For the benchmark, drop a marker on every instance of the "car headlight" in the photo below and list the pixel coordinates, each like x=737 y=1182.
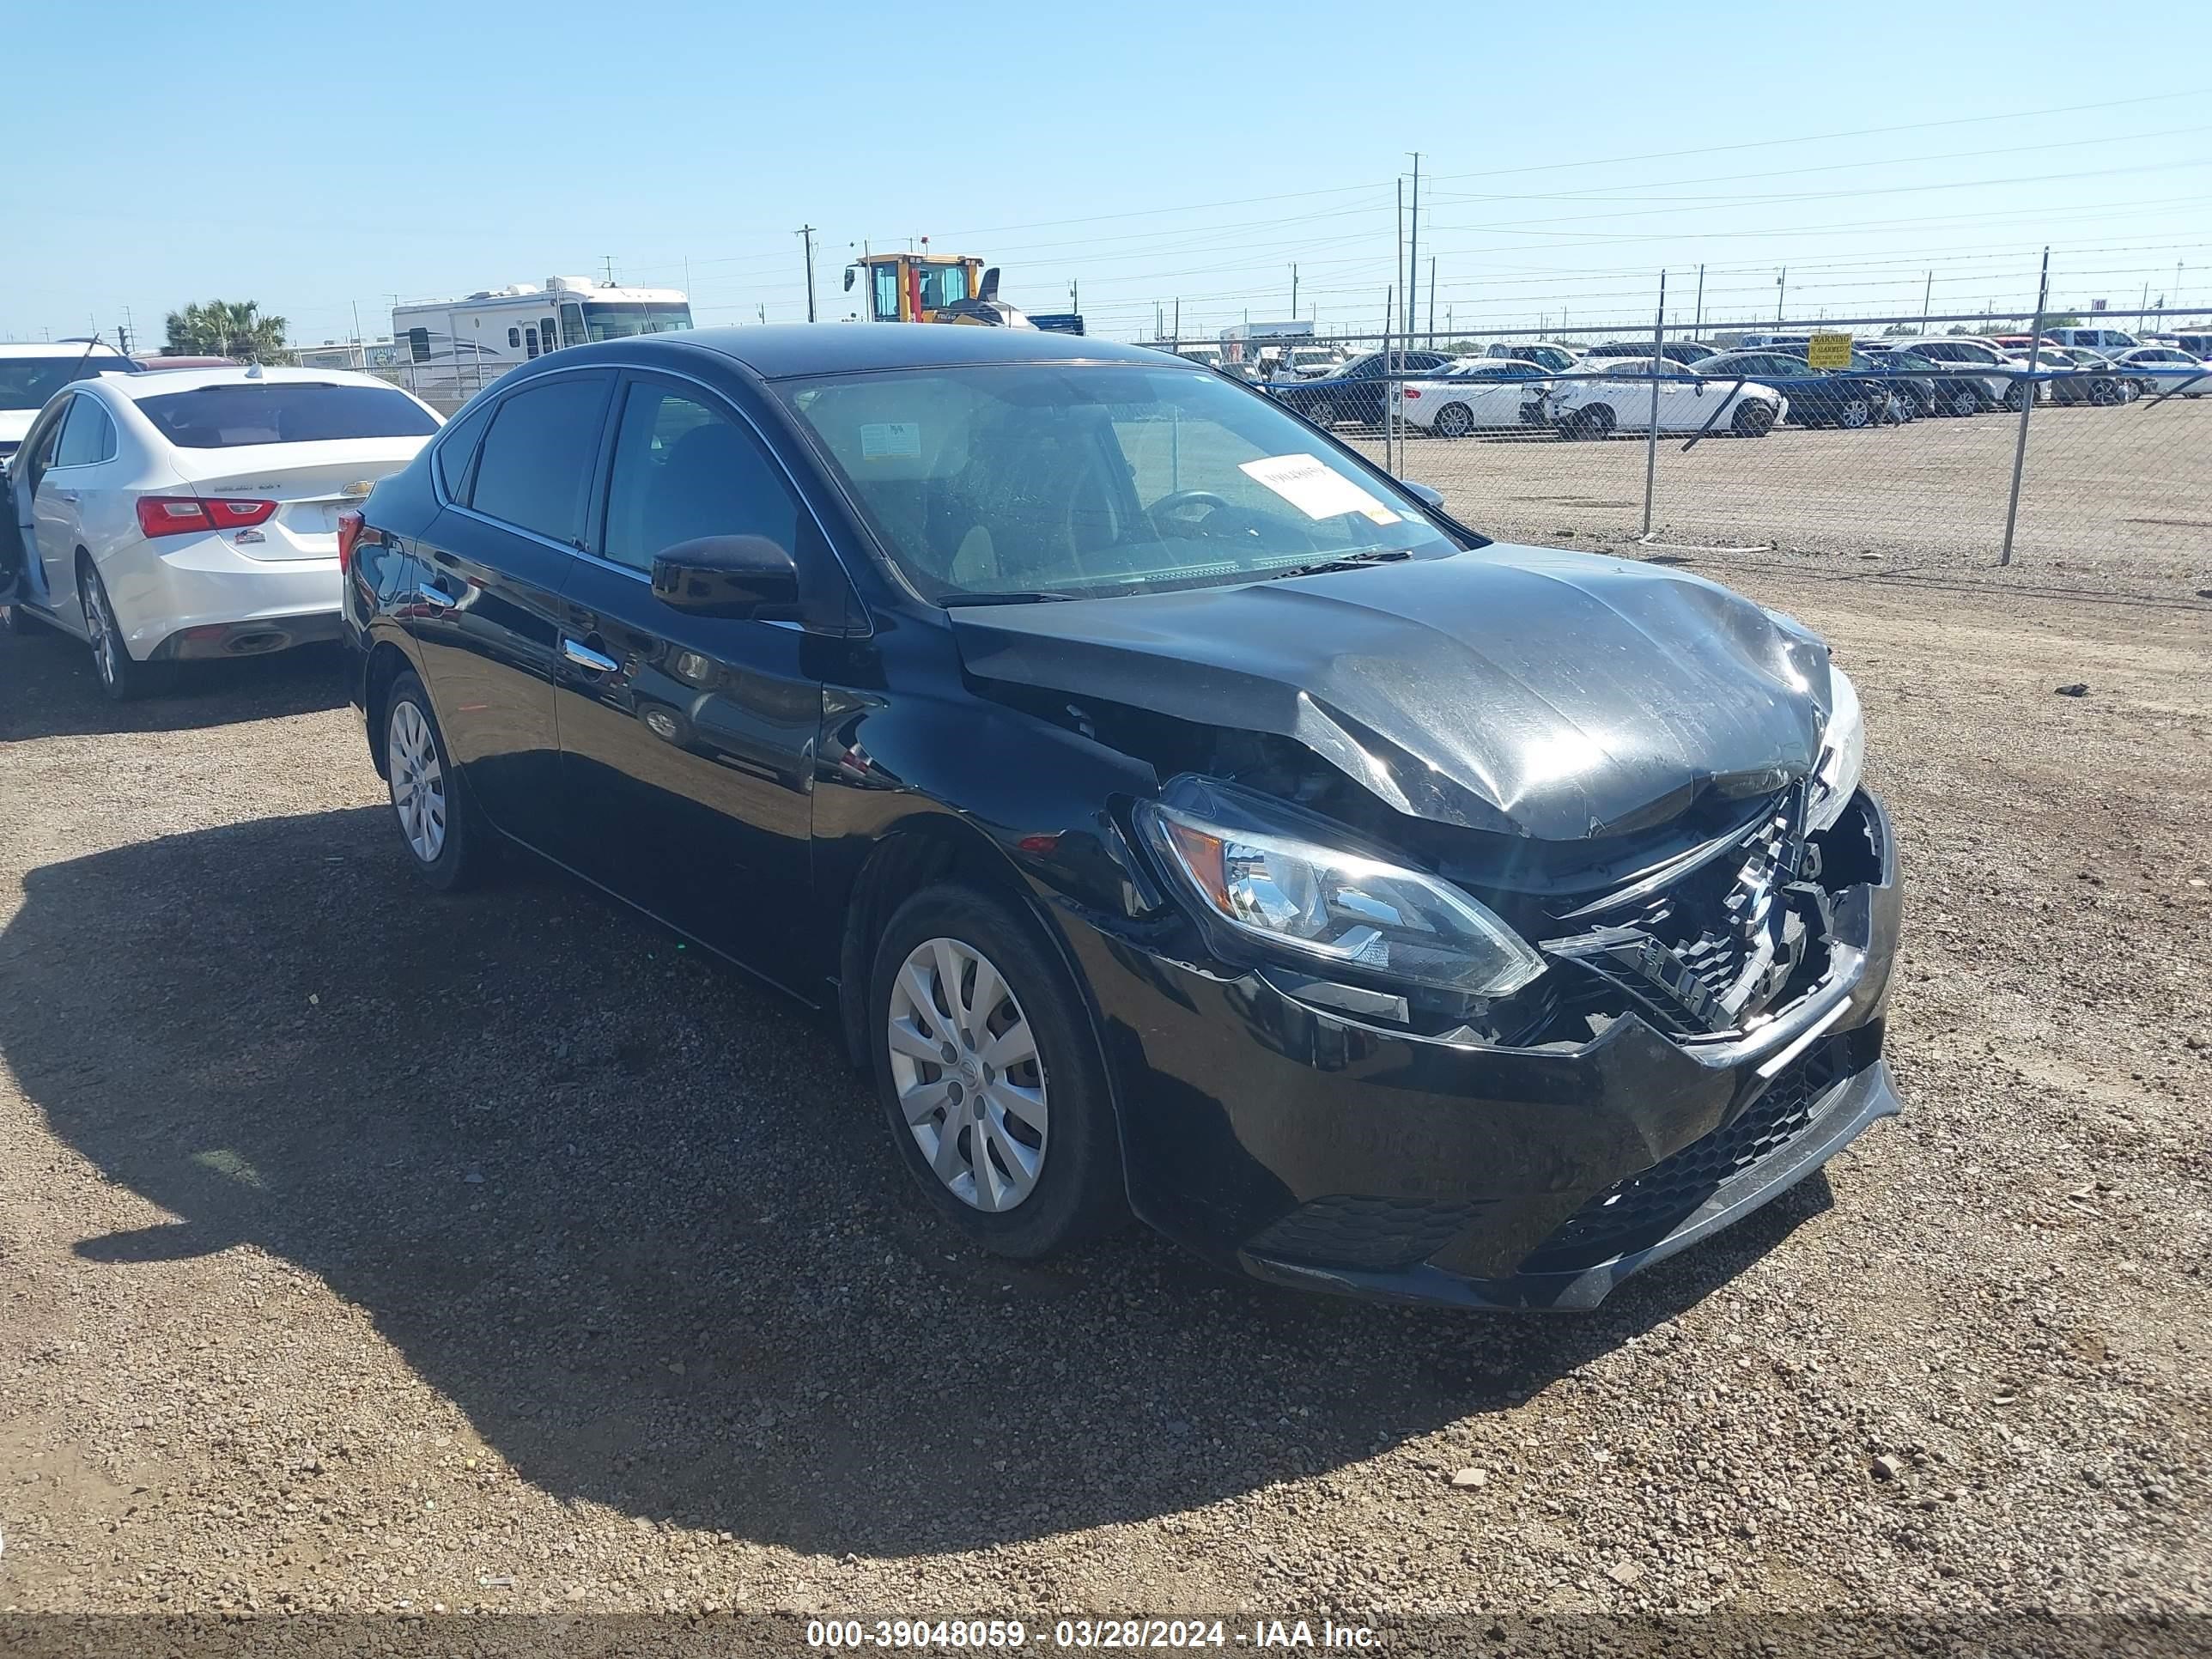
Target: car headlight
x=1842 y=753
x=1337 y=908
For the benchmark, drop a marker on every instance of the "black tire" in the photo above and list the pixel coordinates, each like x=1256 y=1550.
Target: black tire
x=2016 y=395
x=1855 y=413
x=2106 y=394
x=1455 y=421
x=122 y=677
x=1751 y=419
x=1965 y=400
x=1078 y=1189
x=1321 y=413
x=462 y=846
x=1592 y=424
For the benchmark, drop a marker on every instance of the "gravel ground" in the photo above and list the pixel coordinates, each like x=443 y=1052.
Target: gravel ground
x=363 y=1251
x=2112 y=500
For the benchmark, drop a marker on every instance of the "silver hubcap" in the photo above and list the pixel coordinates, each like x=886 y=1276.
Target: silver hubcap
x=104 y=642
x=964 y=1063
x=418 y=784
x=1855 y=414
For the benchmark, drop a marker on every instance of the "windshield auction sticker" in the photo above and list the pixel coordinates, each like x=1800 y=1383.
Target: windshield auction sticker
x=891 y=440
x=1313 y=489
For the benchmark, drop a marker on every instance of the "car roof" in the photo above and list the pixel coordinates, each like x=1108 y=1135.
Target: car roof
x=190 y=379
x=780 y=350
x=98 y=348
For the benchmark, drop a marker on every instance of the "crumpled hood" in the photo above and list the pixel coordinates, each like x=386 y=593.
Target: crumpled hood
x=1522 y=690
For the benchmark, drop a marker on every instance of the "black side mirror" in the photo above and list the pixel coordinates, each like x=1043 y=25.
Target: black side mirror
x=851 y=271
x=737 y=576
x=1432 y=499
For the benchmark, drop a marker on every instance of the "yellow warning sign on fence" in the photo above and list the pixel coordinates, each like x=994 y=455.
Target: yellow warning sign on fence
x=1829 y=351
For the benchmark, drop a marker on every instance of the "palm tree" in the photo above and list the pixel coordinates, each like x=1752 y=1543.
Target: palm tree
x=224 y=328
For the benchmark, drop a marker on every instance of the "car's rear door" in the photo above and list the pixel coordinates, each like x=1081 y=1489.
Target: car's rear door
x=687 y=742
x=485 y=613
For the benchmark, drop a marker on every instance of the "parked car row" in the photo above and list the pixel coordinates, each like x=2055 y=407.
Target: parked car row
x=1172 y=811
x=1745 y=392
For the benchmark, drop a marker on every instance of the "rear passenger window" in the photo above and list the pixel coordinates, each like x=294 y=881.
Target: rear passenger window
x=683 y=469
x=87 y=435
x=458 y=447
x=535 y=470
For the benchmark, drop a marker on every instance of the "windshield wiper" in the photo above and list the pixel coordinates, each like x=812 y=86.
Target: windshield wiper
x=953 y=601
x=1348 y=561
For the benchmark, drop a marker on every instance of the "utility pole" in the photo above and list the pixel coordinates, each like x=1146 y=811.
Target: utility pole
x=1432 y=299
x=1294 y=287
x=1178 y=319
x=1927 y=298
x=1781 y=288
x=1412 y=289
x=356 y=322
x=805 y=233
x=611 y=270
x=128 y=331
x=1075 y=295
x=1697 y=327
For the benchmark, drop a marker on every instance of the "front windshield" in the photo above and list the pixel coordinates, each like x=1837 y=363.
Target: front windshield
x=618 y=319
x=1084 y=481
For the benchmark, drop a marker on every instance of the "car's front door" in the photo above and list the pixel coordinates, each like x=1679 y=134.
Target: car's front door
x=687 y=742
x=486 y=612
x=85 y=438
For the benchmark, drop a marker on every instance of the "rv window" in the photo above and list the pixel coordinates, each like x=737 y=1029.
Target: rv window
x=548 y=338
x=514 y=336
x=418 y=345
x=529 y=340
x=572 y=324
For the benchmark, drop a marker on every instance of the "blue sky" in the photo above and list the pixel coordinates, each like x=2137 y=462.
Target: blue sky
x=317 y=159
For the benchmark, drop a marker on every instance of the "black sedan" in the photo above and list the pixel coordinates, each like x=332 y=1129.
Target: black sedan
x=1355 y=392
x=1853 y=397
x=1169 y=810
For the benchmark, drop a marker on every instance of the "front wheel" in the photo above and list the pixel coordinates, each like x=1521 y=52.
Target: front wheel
x=1966 y=401
x=989 y=1076
x=1752 y=419
x=1321 y=413
x=2016 y=395
x=1855 y=412
x=1592 y=422
x=436 y=824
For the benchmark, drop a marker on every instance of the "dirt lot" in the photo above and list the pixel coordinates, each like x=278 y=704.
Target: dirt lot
x=2112 y=500
x=365 y=1250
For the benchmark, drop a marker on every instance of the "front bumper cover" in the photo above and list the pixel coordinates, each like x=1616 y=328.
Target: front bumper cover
x=1309 y=1147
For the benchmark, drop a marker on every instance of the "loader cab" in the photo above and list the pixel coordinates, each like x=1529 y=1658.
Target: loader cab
x=913 y=288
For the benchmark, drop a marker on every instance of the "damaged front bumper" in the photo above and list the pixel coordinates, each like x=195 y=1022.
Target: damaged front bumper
x=1310 y=1147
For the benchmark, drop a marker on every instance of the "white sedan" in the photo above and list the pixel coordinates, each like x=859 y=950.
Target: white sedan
x=1475 y=395
x=2169 y=369
x=1595 y=403
x=194 y=514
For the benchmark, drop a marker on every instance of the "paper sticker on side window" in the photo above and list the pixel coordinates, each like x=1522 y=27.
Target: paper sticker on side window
x=1310 y=486
x=891 y=440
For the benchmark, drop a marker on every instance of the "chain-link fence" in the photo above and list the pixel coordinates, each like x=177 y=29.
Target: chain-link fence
x=1942 y=441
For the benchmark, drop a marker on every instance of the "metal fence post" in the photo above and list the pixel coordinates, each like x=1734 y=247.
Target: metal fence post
x=2027 y=408
x=1651 y=437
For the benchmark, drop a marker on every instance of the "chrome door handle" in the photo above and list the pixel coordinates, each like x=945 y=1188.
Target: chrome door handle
x=68 y=495
x=584 y=656
x=431 y=593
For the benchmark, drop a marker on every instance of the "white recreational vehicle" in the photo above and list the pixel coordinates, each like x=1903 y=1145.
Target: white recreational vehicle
x=449 y=347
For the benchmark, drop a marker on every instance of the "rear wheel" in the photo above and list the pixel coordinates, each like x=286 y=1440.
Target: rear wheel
x=2016 y=395
x=989 y=1078
x=1592 y=422
x=1455 y=421
x=1855 y=412
x=2106 y=393
x=122 y=677
x=1964 y=401
x=436 y=824
x=1321 y=413
x=1752 y=419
